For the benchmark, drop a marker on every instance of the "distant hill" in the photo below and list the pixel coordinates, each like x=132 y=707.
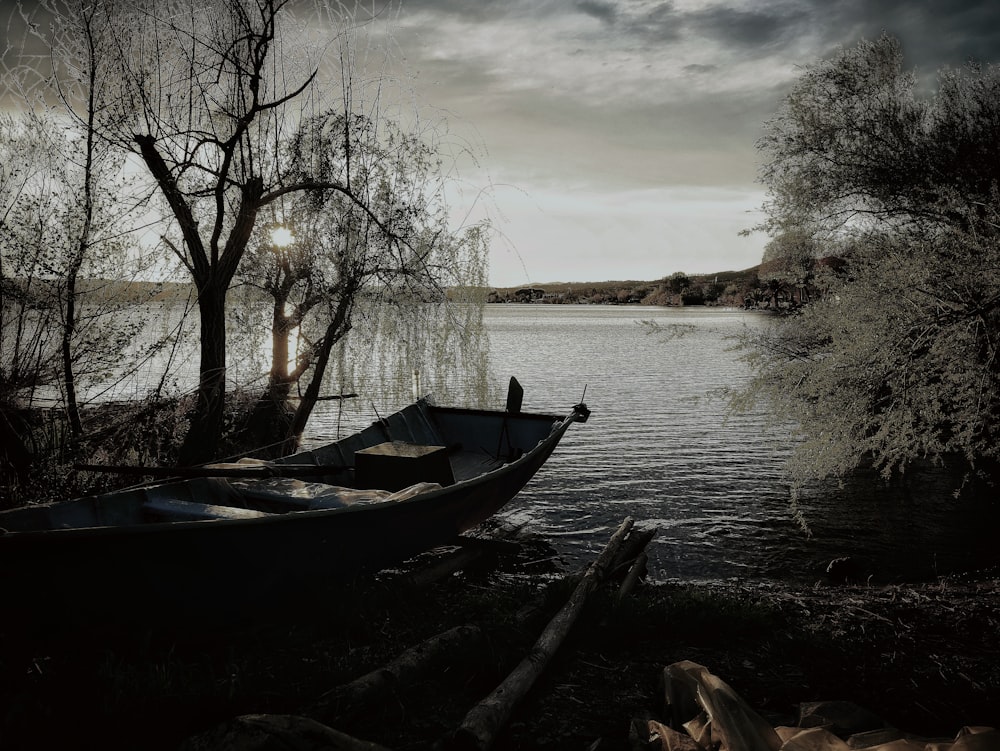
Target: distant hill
x=728 y=288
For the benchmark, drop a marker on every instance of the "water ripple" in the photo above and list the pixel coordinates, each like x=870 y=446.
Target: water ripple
x=661 y=447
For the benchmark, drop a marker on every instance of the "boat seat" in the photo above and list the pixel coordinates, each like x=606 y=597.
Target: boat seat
x=468 y=464
x=172 y=509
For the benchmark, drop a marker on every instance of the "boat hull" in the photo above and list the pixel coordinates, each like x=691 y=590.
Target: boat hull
x=193 y=574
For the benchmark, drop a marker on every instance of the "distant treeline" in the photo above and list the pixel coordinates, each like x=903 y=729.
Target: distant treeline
x=726 y=288
x=99 y=290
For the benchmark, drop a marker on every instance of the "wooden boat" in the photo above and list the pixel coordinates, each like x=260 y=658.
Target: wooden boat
x=183 y=551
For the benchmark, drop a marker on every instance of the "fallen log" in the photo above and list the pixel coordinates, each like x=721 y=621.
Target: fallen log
x=348 y=699
x=484 y=721
x=637 y=541
x=443 y=567
x=631 y=581
x=472 y=550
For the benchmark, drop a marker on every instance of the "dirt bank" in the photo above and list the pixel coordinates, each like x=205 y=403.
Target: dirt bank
x=924 y=657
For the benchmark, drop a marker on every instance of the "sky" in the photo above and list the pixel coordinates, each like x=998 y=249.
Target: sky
x=615 y=139
x=618 y=136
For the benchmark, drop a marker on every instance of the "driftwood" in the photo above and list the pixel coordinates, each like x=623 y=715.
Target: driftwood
x=472 y=550
x=635 y=573
x=346 y=700
x=638 y=540
x=481 y=725
x=443 y=567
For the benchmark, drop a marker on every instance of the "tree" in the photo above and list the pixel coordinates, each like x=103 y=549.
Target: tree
x=849 y=144
x=338 y=251
x=898 y=362
x=64 y=229
x=678 y=282
x=789 y=265
x=208 y=97
x=24 y=320
x=62 y=261
x=854 y=146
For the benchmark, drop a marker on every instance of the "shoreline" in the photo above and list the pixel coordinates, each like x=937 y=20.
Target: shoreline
x=923 y=657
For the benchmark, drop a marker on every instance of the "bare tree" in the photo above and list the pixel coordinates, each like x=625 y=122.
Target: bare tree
x=69 y=214
x=208 y=94
x=224 y=107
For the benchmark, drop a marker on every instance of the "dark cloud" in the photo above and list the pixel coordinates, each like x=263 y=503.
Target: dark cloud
x=756 y=31
x=698 y=69
x=602 y=11
x=486 y=10
x=934 y=33
x=658 y=22
x=661 y=23
x=608 y=96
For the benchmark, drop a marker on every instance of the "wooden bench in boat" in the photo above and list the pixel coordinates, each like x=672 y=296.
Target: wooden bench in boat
x=176 y=510
x=395 y=465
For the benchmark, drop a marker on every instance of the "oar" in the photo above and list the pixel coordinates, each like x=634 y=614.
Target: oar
x=249 y=470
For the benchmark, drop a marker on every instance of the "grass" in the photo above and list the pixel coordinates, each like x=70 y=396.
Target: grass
x=924 y=657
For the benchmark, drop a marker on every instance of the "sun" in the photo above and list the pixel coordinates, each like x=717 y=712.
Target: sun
x=282 y=237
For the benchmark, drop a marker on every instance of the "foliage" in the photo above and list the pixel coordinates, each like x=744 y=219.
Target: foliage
x=897 y=362
x=234 y=112
x=343 y=260
x=57 y=329
x=789 y=266
x=728 y=288
x=854 y=146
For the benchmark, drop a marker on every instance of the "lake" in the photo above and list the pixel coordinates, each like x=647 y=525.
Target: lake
x=662 y=447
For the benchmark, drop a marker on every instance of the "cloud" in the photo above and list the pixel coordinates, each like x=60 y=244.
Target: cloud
x=626 y=104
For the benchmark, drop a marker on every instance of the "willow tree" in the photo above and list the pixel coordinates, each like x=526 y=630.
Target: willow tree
x=900 y=360
x=207 y=96
x=336 y=254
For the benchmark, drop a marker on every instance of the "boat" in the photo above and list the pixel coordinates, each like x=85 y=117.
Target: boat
x=247 y=534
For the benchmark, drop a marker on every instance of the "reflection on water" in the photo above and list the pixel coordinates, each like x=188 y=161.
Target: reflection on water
x=661 y=447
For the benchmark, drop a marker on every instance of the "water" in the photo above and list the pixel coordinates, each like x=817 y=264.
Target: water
x=659 y=445
x=662 y=447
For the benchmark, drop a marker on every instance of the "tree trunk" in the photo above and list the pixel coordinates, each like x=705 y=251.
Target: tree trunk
x=337 y=328
x=269 y=425
x=281 y=330
x=309 y=398
x=205 y=432
x=460 y=646
x=69 y=378
x=14 y=454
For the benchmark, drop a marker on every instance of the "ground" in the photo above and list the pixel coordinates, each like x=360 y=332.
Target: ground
x=924 y=656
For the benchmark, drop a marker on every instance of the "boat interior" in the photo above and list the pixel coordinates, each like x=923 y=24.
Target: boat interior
x=417 y=450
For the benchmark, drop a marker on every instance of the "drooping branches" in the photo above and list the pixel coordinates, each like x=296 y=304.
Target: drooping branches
x=238 y=115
